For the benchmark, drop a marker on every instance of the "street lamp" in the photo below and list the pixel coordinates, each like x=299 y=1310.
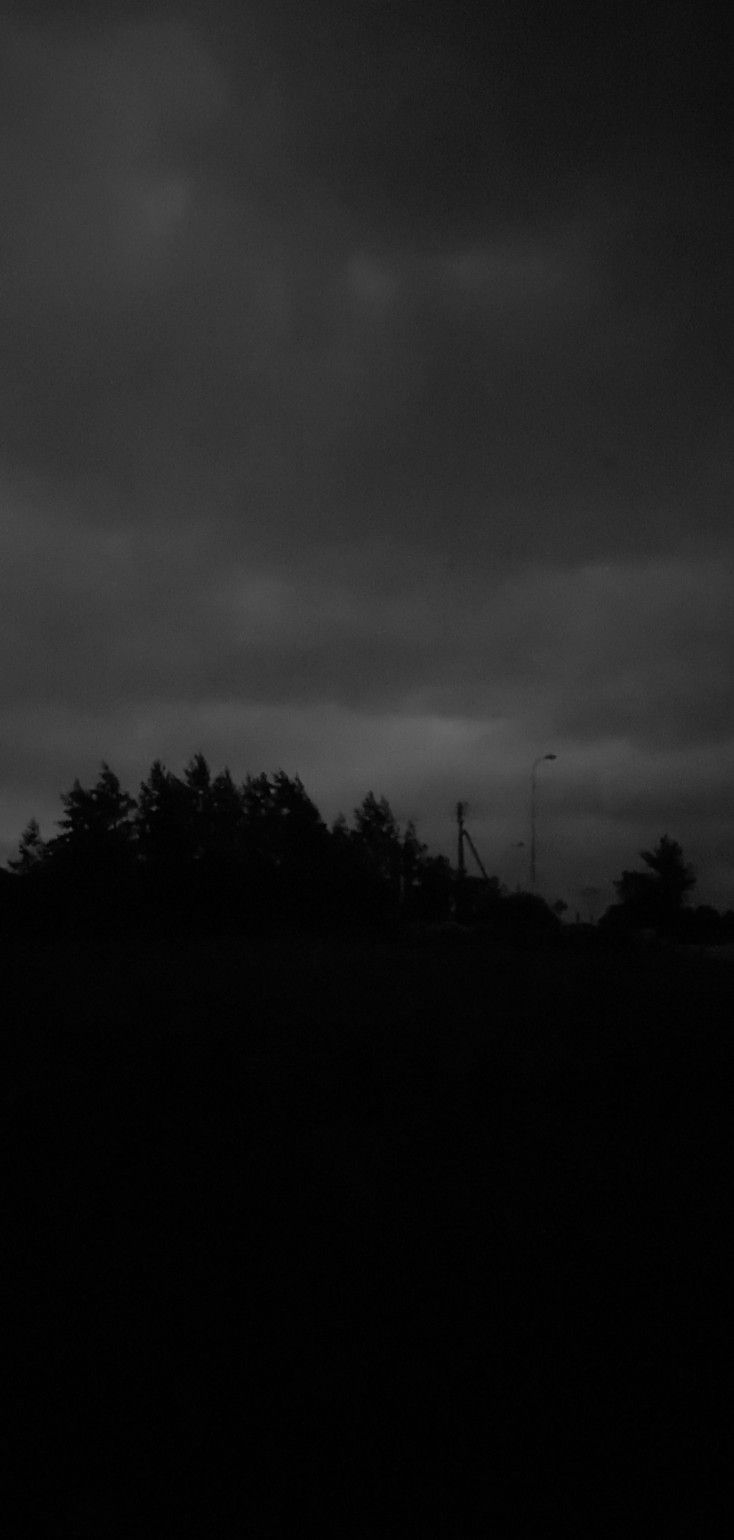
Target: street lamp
x=538 y=761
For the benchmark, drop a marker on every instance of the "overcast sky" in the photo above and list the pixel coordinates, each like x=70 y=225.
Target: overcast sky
x=366 y=382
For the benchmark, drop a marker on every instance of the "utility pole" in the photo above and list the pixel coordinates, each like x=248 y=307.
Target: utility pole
x=464 y=838
x=475 y=853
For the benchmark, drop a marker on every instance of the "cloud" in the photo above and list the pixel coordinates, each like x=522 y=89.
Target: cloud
x=366 y=398
x=644 y=648
x=126 y=608
x=189 y=301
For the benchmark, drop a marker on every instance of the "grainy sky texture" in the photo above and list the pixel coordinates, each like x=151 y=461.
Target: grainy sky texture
x=366 y=382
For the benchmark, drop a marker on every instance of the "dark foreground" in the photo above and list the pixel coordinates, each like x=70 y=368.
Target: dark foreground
x=370 y=1240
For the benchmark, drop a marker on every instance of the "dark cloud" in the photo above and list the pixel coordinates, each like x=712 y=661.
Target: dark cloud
x=366 y=389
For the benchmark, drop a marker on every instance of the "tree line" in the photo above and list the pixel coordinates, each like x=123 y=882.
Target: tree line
x=201 y=851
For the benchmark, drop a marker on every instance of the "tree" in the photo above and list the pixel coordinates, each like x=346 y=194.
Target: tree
x=656 y=897
x=673 y=878
x=291 y=802
x=163 y=821
x=227 y=823
x=31 y=850
x=97 y=827
x=432 y=898
x=199 y=850
x=198 y=783
x=89 y=866
x=413 y=857
x=393 y=863
x=284 y=826
x=377 y=837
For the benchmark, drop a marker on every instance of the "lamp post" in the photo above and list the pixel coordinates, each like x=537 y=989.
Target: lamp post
x=533 y=778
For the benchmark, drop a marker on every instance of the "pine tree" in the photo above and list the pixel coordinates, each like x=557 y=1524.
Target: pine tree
x=31 y=850
x=163 y=822
x=97 y=825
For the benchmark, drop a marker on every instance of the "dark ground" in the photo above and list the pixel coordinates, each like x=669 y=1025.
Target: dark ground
x=370 y=1239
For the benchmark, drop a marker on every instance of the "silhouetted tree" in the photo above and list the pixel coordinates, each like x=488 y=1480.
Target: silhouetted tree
x=299 y=817
x=283 y=823
x=164 y=831
x=89 y=867
x=656 y=897
x=96 y=829
x=227 y=822
x=377 y=838
x=198 y=782
x=348 y=896
x=31 y=850
x=200 y=850
x=413 y=854
x=287 y=847
x=434 y=892
x=392 y=867
x=673 y=878
x=340 y=830
x=25 y=902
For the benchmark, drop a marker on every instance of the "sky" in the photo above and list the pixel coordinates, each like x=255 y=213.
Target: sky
x=366 y=411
